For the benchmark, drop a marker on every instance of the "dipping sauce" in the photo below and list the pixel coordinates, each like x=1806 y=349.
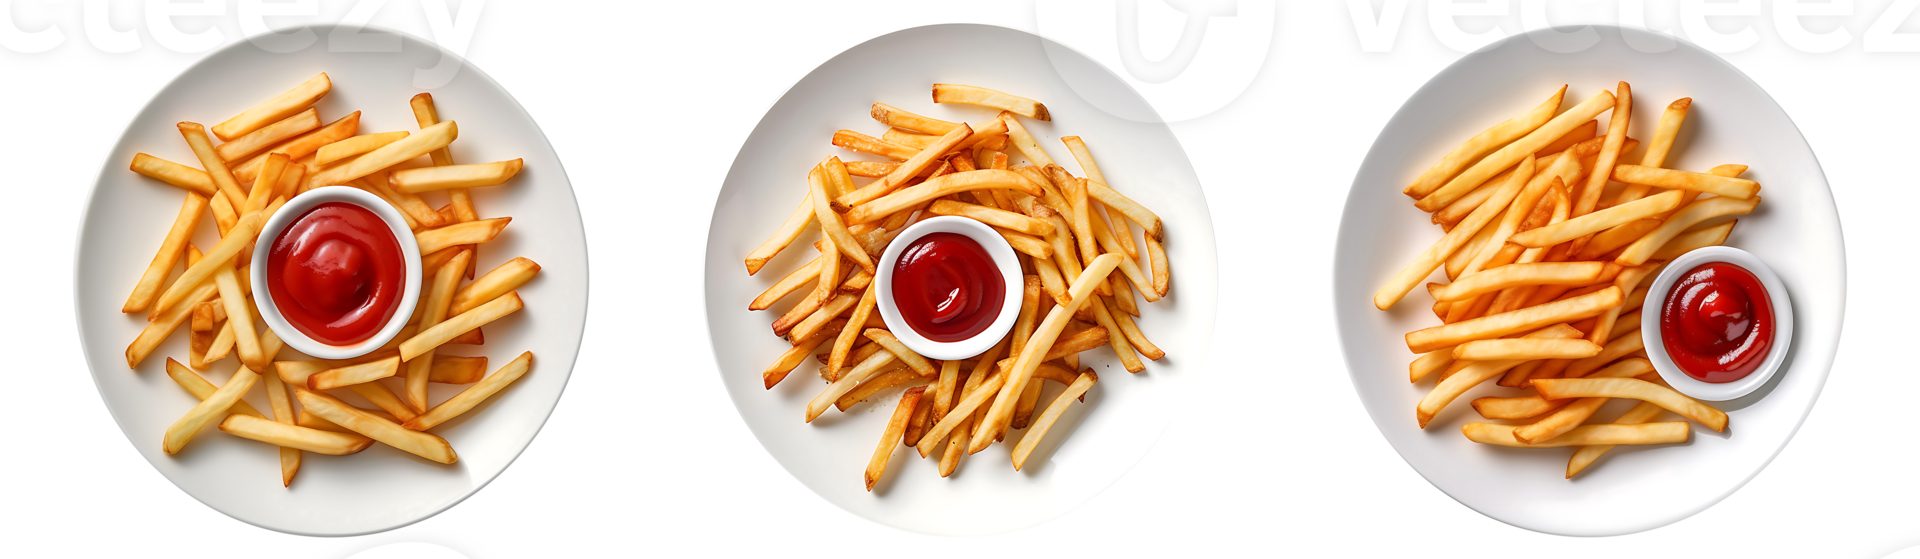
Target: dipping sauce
x=947 y=287
x=336 y=273
x=1717 y=322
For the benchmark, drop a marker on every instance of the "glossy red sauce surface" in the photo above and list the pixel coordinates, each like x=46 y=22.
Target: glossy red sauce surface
x=1717 y=322
x=947 y=287
x=337 y=273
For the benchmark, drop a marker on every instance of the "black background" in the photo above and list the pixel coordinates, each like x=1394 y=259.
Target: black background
x=613 y=475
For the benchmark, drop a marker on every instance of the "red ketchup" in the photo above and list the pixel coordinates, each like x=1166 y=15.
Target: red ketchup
x=947 y=287
x=336 y=273
x=1717 y=322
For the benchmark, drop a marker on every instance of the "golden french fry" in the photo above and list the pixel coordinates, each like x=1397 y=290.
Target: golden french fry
x=467 y=233
x=1512 y=153
x=1514 y=322
x=1698 y=182
x=831 y=223
x=186 y=178
x=914 y=166
x=415 y=145
x=1658 y=147
x=1642 y=250
x=299 y=123
x=868 y=144
x=940 y=186
x=972 y=95
x=454 y=369
x=893 y=116
x=896 y=428
x=302 y=146
x=1499 y=135
x=171 y=248
x=1039 y=429
x=200 y=388
x=215 y=405
x=500 y=281
x=1599 y=221
x=275 y=109
x=357 y=145
x=995 y=217
x=163 y=324
x=1525 y=349
x=430 y=338
x=1634 y=389
x=210 y=160
x=1687 y=242
x=424 y=179
x=240 y=319
x=1619 y=236
x=1622 y=346
x=1643 y=412
x=354 y=374
x=353 y=419
x=282 y=404
x=289 y=436
x=1512 y=275
x=439 y=293
x=873 y=365
x=962 y=411
x=1134 y=211
x=1589 y=195
x=1605 y=434
x=221 y=255
x=473 y=395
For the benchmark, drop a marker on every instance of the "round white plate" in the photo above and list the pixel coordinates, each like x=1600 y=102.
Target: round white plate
x=1796 y=230
x=1093 y=444
x=381 y=488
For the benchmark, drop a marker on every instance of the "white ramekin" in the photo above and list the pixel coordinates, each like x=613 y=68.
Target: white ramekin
x=1003 y=258
x=1657 y=348
x=299 y=205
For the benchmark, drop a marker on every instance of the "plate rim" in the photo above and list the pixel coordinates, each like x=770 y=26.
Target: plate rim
x=107 y=166
x=1212 y=285
x=1348 y=210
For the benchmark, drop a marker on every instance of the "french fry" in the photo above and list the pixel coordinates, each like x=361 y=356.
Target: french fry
x=186 y=178
x=1589 y=195
x=971 y=95
x=438 y=334
x=200 y=388
x=1606 y=434
x=1524 y=349
x=1472 y=374
x=1043 y=337
x=499 y=281
x=473 y=395
x=302 y=145
x=1730 y=187
x=467 y=233
x=439 y=294
x=964 y=410
x=293 y=438
x=899 y=375
x=895 y=117
x=253 y=142
x=240 y=319
x=356 y=145
x=1628 y=279
x=900 y=351
x=273 y=110
x=867 y=368
x=917 y=424
x=1133 y=334
x=1039 y=429
x=163 y=325
x=1480 y=144
x=1157 y=260
x=1622 y=346
x=1612 y=239
x=1599 y=221
x=476 y=175
x=868 y=144
x=936 y=187
x=354 y=374
x=1513 y=322
x=210 y=160
x=1658 y=146
x=870 y=169
x=454 y=369
x=415 y=145
x=1023 y=141
x=384 y=399
x=418 y=443
x=1448 y=245
x=1643 y=412
x=831 y=223
x=1691 y=240
x=1134 y=211
x=1539 y=273
x=995 y=217
x=221 y=255
x=171 y=248
x=843 y=343
x=1633 y=389
x=215 y=405
x=1512 y=153
x=896 y=428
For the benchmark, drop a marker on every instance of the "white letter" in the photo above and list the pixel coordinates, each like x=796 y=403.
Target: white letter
x=1533 y=22
x=1441 y=14
x=1693 y=19
x=18 y=40
x=1786 y=20
x=1377 y=33
x=1633 y=13
x=347 y=37
x=160 y=14
x=253 y=23
x=100 y=29
x=453 y=35
x=1883 y=35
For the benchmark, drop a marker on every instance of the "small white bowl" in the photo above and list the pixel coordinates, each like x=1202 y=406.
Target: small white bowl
x=1003 y=258
x=1657 y=348
x=298 y=206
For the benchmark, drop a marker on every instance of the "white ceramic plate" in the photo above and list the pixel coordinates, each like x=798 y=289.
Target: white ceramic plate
x=1092 y=445
x=1796 y=230
x=381 y=488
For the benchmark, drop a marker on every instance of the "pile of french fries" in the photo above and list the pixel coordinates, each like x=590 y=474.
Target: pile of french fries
x=1547 y=282
x=1071 y=233
x=269 y=154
